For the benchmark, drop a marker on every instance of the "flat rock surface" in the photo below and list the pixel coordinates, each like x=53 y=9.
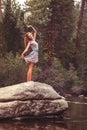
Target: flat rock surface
x=28 y=90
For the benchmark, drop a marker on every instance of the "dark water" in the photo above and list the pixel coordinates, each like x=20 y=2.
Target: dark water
x=75 y=119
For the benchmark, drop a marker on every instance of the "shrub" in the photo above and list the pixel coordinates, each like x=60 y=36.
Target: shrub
x=12 y=70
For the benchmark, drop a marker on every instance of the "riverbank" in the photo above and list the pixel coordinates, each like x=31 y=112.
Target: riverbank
x=71 y=92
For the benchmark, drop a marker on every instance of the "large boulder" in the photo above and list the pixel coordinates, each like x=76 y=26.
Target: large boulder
x=30 y=99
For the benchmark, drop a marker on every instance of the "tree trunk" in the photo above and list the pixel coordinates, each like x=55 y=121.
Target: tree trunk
x=80 y=23
x=0 y=12
x=51 y=34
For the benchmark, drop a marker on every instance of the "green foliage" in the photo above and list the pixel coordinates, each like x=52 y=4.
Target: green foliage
x=3 y=47
x=66 y=27
x=11 y=32
x=71 y=78
x=12 y=70
x=39 y=11
x=82 y=67
x=58 y=76
x=67 y=55
x=11 y=28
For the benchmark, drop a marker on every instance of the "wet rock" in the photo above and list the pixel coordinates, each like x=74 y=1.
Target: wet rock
x=81 y=96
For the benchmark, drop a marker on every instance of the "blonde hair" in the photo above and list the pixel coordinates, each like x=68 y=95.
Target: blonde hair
x=27 y=39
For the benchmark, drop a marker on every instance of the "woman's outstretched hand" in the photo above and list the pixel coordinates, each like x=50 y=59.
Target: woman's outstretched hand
x=22 y=56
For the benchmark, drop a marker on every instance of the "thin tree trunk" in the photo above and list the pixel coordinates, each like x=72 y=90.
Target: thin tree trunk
x=0 y=12
x=51 y=35
x=80 y=23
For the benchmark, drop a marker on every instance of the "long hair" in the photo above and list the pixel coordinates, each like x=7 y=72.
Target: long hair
x=26 y=39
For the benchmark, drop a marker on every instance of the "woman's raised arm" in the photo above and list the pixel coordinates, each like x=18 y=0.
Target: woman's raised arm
x=34 y=31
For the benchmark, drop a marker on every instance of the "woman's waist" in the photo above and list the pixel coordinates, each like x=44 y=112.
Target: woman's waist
x=36 y=50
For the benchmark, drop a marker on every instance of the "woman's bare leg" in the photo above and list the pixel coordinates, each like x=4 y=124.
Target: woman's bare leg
x=29 y=73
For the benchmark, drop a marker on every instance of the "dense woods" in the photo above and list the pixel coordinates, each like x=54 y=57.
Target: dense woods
x=61 y=63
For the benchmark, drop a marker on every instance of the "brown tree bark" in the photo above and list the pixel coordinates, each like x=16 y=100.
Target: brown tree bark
x=0 y=12
x=80 y=23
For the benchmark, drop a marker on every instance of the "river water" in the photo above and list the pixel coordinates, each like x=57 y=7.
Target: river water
x=75 y=118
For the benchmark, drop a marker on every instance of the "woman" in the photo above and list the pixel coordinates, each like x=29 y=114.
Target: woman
x=32 y=58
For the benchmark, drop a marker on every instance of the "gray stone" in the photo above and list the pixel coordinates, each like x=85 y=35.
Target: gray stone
x=30 y=99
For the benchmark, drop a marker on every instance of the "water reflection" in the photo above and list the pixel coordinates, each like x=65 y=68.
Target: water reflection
x=77 y=125
x=30 y=125
x=77 y=109
x=43 y=125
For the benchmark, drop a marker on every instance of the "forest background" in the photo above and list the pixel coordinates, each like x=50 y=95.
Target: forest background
x=62 y=62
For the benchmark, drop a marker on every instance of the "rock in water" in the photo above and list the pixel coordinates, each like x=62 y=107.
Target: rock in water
x=30 y=99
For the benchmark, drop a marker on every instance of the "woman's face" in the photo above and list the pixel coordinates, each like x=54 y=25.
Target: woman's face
x=30 y=36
